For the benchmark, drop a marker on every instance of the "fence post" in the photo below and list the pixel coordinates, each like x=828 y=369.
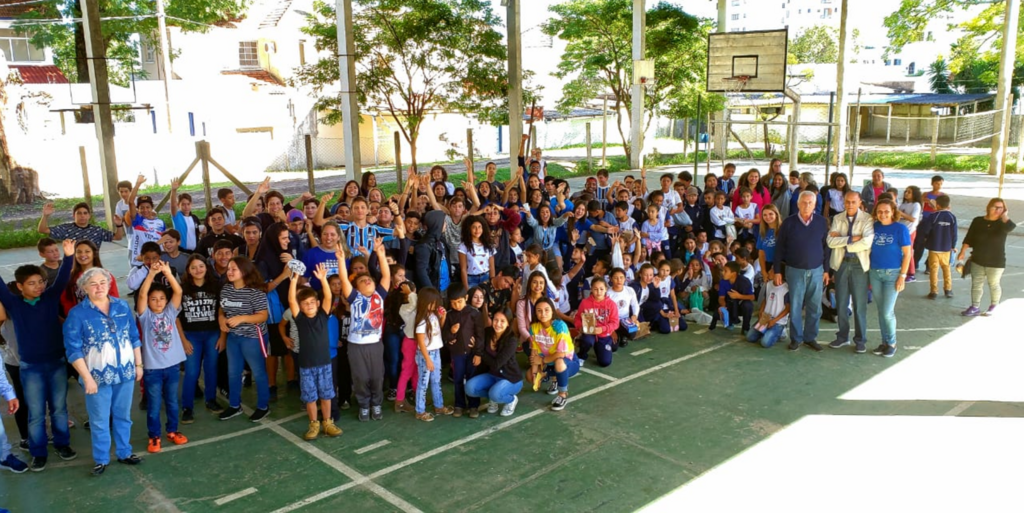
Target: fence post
x=935 y=137
x=590 y=161
x=203 y=150
x=309 y=163
x=398 y=162
x=85 y=178
x=469 y=152
x=1020 y=142
x=856 y=138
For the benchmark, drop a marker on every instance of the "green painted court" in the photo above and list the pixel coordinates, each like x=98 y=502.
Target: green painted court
x=699 y=420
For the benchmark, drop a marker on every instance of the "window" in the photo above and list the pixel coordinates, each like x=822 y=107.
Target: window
x=18 y=49
x=897 y=62
x=148 y=54
x=736 y=16
x=248 y=54
x=735 y=3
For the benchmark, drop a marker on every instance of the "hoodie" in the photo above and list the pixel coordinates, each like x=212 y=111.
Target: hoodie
x=430 y=250
x=606 y=313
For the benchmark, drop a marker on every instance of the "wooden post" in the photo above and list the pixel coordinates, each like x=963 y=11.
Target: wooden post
x=1020 y=143
x=590 y=161
x=182 y=178
x=85 y=177
x=203 y=149
x=63 y=127
x=469 y=151
x=604 y=131
x=888 y=125
x=309 y=163
x=856 y=138
x=935 y=137
x=398 y=162
x=686 y=135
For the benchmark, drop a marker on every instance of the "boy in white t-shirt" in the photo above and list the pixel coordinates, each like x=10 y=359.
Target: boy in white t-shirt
x=145 y=225
x=124 y=190
x=772 y=316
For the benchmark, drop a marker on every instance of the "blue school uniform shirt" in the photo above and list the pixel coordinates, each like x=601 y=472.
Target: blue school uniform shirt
x=317 y=256
x=887 y=248
x=357 y=237
x=766 y=244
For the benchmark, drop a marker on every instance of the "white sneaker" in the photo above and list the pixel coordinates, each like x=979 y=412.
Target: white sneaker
x=493 y=407
x=510 y=408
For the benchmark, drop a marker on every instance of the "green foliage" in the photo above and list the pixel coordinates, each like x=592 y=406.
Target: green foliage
x=938 y=76
x=598 y=58
x=816 y=45
x=129 y=17
x=414 y=57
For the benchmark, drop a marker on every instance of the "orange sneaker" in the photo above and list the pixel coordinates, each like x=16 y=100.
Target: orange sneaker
x=154 y=444
x=177 y=438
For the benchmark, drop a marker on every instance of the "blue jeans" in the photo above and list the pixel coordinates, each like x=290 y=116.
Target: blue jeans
x=242 y=350
x=883 y=283
x=393 y=356
x=497 y=390
x=572 y=367
x=477 y=280
x=431 y=379
x=462 y=370
x=46 y=383
x=768 y=338
x=602 y=346
x=203 y=357
x=5 y=446
x=805 y=288
x=161 y=390
x=116 y=401
x=852 y=281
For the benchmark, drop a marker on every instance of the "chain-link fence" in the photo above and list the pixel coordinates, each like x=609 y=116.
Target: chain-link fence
x=329 y=152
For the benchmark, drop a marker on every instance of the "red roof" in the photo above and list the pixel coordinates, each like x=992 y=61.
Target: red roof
x=257 y=74
x=16 y=10
x=40 y=74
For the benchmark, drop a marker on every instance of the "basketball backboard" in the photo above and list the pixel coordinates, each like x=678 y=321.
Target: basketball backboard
x=758 y=55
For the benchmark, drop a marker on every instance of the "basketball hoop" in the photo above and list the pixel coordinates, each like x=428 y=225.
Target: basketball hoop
x=735 y=84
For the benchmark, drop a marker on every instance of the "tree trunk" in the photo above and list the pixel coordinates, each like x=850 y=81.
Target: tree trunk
x=81 y=61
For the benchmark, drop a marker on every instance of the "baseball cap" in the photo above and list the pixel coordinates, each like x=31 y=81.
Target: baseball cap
x=295 y=215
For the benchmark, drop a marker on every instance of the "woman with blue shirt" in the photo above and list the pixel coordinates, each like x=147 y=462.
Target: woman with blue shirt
x=102 y=343
x=891 y=253
x=771 y=220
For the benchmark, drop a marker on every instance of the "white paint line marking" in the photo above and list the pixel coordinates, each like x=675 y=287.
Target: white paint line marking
x=371 y=447
x=598 y=374
x=236 y=434
x=316 y=498
x=958 y=409
x=701 y=332
x=235 y=496
x=640 y=352
x=919 y=329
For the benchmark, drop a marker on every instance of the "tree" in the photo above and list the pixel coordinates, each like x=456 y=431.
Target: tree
x=598 y=58
x=816 y=45
x=938 y=76
x=122 y=20
x=414 y=57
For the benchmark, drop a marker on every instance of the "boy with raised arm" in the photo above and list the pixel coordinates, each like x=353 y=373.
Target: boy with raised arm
x=310 y=314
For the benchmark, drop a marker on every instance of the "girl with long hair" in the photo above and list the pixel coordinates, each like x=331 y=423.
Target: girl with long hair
x=243 y=316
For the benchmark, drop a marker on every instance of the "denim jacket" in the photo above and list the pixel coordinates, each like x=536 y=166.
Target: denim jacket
x=105 y=342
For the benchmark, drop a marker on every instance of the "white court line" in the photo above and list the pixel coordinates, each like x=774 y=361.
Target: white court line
x=701 y=332
x=640 y=352
x=958 y=409
x=598 y=374
x=371 y=447
x=229 y=436
x=904 y=330
x=235 y=496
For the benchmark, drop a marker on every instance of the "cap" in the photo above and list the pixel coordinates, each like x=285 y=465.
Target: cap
x=692 y=190
x=295 y=215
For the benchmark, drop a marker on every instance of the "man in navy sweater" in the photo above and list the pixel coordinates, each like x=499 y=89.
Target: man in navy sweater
x=801 y=250
x=41 y=349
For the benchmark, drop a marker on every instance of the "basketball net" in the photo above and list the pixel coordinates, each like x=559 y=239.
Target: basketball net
x=735 y=84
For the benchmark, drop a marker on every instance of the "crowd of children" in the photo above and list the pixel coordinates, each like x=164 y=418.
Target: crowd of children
x=362 y=299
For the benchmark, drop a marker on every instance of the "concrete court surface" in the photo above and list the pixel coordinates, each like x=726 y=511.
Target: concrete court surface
x=698 y=421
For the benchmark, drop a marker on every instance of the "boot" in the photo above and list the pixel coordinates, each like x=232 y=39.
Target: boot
x=314 y=430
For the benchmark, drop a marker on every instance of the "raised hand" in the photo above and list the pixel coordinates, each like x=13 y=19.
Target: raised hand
x=69 y=247
x=326 y=198
x=175 y=184
x=48 y=209
x=320 y=272
x=141 y=179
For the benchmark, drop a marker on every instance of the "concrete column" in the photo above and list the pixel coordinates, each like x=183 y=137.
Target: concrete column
x=1006 y=61
x=515 y=82
x=347 y=95
x=639 y=52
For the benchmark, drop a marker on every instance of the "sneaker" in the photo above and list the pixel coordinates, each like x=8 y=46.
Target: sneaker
x=37 y=464
x=836 y=344
x=510 y=408
x=890 y=351
x=582 y=362
x=143 y=403
x=23 y=445
x=813 y=344
x=99 y=469
x=880 y=350
x=949 y=294
x=444 y=410
x=559 y=403
x=273 y=394
x=991 y=308
x=425 y=417
x=364 y=414
x=971 y=312
x=259 y=414
x=493 y=407
x=187 y=417
x=177 y=438
x=377 y=413
x=154 y=444
x=861 y=348
x=13 y=464
x=130 y=460
x=313 y=432
x=793 y=346
x=230 y=412
x=932 y=295
x=910 y=279
x=402 y=407
x=474 y=413
x=330 y=429
x=553 y=387
x=457 y=412
x=345 y=405
x=214 y=406
x=392 y=395
x=66 y=453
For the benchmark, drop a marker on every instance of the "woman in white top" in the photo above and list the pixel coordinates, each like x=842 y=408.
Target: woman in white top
x=476 y=256
x=910 y=215
x=625 y=301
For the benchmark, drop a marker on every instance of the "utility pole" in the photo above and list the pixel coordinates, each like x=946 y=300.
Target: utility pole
x=96 y=54
x=1006 y=61
x=515 y=83
x=165 y=58
x=639 y=51
x=349 y=101
x=842 y=105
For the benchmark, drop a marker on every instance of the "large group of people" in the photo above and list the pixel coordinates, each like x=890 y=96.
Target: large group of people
x=357 y=299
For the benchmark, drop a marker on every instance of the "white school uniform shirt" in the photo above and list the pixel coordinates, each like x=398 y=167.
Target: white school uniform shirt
x=775 y=301
x=434 y=341
x=721 y=217
x=527 y=271
x=562 y=301
x=665 y=287
x=749 y=272
x=478 y=259
x=625 y=301
x=747 y=213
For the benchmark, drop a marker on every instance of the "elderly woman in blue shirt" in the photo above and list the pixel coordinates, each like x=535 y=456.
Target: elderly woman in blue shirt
x=102 y=343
